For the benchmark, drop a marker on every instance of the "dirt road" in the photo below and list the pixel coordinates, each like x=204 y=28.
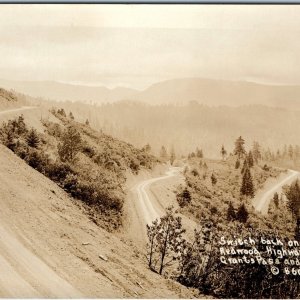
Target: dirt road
x=25 y=275
x=50 y=248
x=23 y=108
x=262 y=199
x=149 y=209
x=18 y=263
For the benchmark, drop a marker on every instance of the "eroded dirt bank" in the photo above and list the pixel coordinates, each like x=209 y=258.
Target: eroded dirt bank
x=46 y=237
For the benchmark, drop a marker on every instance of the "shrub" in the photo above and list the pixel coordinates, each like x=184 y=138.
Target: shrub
x=70 y=145
x=184 y=198
x=37 y=160
x=59 y=171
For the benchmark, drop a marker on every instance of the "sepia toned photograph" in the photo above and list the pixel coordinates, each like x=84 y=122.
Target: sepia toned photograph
x=149 y=151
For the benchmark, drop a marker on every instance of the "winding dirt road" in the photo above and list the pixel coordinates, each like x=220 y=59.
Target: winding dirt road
x=149 y=209
x=262 y=200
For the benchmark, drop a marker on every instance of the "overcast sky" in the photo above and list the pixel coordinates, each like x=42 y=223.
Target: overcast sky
x=137 y=45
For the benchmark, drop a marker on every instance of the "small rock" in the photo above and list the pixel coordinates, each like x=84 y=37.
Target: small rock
x=86 y=243
x=103 y=257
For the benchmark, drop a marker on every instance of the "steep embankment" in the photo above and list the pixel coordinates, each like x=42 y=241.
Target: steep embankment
x=55 y=239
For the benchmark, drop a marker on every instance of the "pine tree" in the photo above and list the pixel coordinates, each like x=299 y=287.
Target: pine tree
x=291 y=151
x=223 y=152
x=250 y=159
x=237 y=164
x=172 y=156
x=231 y=214
x=199 y=153
x=87 y=123
x=276 y=199
x=21 y=126
x=32 y=139
x=245 y=165
x=247 y=187
x=256 y=152
x=213 y=179
x=165 y=240
x=239 y=149
x=163 y=152
x=71 y=116
x=293 y=196
x=242 y=214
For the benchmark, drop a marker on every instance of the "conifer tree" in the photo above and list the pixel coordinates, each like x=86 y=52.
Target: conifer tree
x=172 y=156
x=242 y=214
x=276 y=199
x=87 y=122
x=256 y=152
x=213 y=179
x=21 y=126
x=223 y=152
x=163 y=152
x=71 y=116
x=245 y=165
x=250 y=159
x=199 y=153
x=239 y=149
x=231 y=214
x=32 y=139
x=293 y=196
x=165 y=240
x=237 y=164
x=247 y=187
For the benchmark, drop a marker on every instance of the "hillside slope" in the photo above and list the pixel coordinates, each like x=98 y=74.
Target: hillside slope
x=49 y=224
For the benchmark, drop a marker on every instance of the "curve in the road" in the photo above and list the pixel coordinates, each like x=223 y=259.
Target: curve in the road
x=263 y=203
x=148 y=210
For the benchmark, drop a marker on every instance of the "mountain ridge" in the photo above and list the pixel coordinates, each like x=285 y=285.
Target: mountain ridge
x=212 y=92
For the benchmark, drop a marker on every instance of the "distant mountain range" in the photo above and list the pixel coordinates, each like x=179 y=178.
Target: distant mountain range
x=63 y=91
x=180 y=91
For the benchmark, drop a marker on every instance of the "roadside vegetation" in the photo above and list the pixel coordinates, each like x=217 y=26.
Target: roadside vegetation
x=87 y=164
x=217 y=196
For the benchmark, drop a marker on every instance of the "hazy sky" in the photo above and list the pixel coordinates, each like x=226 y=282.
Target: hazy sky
x=137 y=45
